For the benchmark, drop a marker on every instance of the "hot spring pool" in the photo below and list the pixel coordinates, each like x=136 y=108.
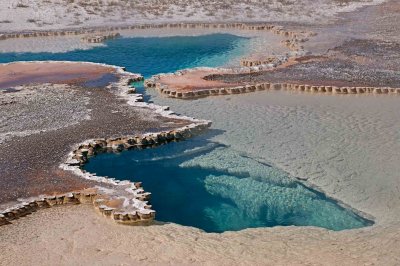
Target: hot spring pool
x=152 y=55
x=207 y=185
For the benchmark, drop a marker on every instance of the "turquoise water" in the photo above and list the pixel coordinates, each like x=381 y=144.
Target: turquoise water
x=152 y=55
x=206 y=185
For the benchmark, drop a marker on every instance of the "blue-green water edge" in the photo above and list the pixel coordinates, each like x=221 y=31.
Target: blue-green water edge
x=215 y=198
x=152 y=55
x=198 y=182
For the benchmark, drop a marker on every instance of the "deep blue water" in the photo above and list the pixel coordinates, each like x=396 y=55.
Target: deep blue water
x=151 y=55
x=215 y=199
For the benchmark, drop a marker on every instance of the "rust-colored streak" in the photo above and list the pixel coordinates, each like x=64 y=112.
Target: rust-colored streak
x=55 y=72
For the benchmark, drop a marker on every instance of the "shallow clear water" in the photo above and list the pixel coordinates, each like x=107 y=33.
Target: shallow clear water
x=207 y=185
x=152 y=55
x=201 y=182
